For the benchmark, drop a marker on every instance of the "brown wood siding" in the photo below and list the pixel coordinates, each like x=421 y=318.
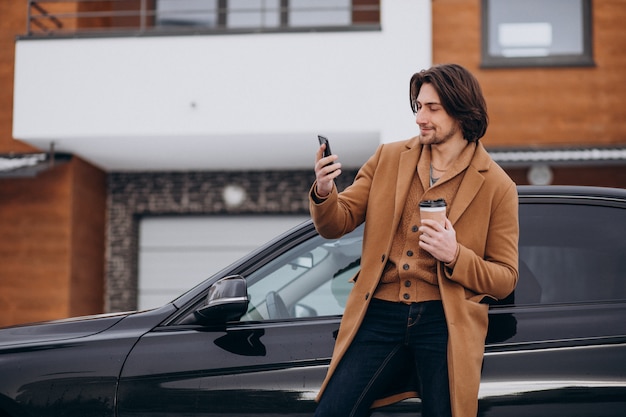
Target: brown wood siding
x=543 y=106
x=52 y=246
x=88 y=207
x=130 y=22
x=13 y=15
x=364 y=15
x=35 y=246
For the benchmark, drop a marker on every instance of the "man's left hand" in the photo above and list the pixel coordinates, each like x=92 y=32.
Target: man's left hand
x=438 y=240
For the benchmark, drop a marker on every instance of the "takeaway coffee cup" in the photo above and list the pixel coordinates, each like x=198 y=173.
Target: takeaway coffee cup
x=434 y=209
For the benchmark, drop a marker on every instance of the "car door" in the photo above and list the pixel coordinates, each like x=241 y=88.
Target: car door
x=558 y=346
x=270 y=362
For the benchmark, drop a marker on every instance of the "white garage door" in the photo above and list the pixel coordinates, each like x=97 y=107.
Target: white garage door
x=176 y=253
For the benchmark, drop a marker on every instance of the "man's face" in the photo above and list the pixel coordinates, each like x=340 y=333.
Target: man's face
x=436 y=125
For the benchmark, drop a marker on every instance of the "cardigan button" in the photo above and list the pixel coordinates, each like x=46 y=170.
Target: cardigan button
x=405 y=267
x=367 y=296
x=382 y=258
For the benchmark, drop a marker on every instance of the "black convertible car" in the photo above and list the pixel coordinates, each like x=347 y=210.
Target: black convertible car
x=256 y=338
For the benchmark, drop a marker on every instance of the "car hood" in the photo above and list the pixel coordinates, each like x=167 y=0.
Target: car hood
x=59 y=329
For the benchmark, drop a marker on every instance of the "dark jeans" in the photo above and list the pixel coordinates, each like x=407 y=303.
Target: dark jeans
x=392 y=338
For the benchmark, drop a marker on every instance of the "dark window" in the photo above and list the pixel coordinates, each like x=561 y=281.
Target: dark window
x=536 y=33
x=571 y=253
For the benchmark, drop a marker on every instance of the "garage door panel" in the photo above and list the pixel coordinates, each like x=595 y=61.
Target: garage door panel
x=178 y=252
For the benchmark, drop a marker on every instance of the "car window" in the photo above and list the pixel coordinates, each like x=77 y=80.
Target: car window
x=568 y=253
x=311 y=280
x=571 y=253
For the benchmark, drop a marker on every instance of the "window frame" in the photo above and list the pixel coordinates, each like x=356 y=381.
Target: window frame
x=584 y=59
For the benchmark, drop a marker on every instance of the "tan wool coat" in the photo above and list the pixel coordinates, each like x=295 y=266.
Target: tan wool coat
x=484 y=214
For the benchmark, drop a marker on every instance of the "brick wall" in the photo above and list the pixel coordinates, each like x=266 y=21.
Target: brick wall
x=133 y=195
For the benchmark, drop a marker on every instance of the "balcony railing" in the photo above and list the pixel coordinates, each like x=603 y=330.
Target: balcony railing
x=139 y=17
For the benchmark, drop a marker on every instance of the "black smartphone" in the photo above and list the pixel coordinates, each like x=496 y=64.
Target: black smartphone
x=324 y=141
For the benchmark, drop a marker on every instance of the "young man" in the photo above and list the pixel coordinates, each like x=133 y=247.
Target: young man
x=415 y=321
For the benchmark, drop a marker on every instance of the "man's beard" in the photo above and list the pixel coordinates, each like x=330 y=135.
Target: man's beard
x=436 y=139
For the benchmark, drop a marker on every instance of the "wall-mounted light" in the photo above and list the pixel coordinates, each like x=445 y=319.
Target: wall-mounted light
x=540 y=174
x=234 y=195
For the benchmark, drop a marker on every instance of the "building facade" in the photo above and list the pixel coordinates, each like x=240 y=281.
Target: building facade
x=115 y=115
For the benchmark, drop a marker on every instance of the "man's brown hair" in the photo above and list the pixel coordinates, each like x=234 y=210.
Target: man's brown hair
x=460 y=95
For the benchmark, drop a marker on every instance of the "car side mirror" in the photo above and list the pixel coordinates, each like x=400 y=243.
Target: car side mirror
x=227 y=300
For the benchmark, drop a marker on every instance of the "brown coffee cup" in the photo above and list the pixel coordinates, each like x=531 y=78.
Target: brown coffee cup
x=434 y=209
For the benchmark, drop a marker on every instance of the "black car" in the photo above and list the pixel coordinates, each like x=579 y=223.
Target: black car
x=256 y=338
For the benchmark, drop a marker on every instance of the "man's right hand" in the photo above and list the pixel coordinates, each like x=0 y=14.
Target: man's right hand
x=326 y=170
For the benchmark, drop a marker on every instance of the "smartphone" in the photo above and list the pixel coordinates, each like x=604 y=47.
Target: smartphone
x=324 y=141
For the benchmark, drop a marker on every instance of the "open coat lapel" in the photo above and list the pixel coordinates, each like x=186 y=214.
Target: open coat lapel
x=406 y=171
x=472 y=181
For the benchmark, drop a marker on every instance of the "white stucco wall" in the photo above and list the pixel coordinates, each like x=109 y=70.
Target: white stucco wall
x=192 y=102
